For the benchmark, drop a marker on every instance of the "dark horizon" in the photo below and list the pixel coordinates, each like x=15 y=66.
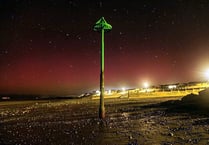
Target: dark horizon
x=50 y=47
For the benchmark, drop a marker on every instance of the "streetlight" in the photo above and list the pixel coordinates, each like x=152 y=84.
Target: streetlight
x=123 y=89
x=146 y=85
x=102 y=26
x=207 y=74
x=172 y=87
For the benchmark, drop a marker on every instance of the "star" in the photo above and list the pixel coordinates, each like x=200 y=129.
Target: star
x=6 y=51
x=67 y=34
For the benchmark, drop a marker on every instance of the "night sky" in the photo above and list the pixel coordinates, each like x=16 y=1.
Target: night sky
x=49 y=46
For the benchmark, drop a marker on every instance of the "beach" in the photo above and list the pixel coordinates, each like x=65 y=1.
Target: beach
x=75 y=122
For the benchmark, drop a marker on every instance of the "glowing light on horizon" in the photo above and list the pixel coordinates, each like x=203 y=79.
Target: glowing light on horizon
x=172 y=86
x=109 y=92
x=206 y=74
x=123 y=89
x=146 y=85
x=97 y=92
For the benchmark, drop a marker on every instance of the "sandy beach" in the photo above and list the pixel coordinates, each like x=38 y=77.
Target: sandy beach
x=75 y=122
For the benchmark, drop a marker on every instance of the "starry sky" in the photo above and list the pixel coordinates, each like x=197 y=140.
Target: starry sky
x=49 y=46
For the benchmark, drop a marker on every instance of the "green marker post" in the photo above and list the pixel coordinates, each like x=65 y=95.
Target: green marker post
x=102 y=26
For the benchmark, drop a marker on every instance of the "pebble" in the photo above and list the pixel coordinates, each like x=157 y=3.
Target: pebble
x=130 y=137
x=171 y=134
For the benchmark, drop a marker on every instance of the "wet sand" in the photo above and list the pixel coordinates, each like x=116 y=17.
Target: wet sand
x=75 y=122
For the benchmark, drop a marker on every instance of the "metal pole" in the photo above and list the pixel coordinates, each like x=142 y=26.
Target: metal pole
x=102 y=26
x=102 y=108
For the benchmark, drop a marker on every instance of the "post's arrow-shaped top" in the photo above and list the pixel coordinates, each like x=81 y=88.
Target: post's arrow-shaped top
x=102 y=24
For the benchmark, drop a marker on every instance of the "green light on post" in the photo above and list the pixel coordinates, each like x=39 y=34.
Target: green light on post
x=102 y=26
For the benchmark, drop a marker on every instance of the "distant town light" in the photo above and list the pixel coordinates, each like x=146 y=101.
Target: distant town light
x=207 y=74
x=97 y=92
x=172 y=86
x=109 y=92
x=146 y=85
x=123 y=89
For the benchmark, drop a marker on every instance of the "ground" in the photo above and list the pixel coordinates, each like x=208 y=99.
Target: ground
x=145 y=121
